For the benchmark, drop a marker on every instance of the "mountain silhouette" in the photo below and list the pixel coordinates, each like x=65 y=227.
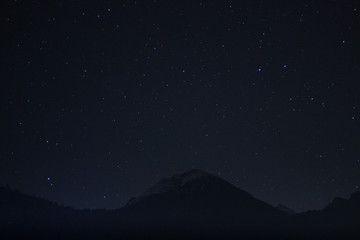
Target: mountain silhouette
x=197 y=197
x=194 y=204
x=340 y=217
x=24 y=217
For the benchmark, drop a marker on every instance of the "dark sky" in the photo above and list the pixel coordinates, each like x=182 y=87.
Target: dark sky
x=101 y=99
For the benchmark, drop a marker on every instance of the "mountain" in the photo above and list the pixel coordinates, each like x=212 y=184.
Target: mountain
x=197 y=200
x=27 y=217
x=194 y=204
x=200 y=196
x=339 y=217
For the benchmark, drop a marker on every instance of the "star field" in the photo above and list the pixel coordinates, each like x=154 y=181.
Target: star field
x=101 y=100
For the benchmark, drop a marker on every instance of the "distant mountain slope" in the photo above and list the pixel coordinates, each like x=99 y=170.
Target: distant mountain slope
x=18 y=208
x=28 y=217
x=341 y=215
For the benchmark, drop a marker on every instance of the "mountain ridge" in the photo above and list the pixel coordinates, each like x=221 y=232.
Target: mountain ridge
x=193 y=202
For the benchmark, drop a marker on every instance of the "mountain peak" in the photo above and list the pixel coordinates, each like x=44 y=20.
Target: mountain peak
x=173 y=183
x=194 y=171
x=190 y=175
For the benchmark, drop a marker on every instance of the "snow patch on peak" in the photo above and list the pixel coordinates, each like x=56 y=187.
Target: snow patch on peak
x=191 y=175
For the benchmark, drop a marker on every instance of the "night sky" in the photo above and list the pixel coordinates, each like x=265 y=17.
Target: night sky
x=101 y=99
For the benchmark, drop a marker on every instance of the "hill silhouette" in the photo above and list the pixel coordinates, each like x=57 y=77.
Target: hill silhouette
x=193 y=204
